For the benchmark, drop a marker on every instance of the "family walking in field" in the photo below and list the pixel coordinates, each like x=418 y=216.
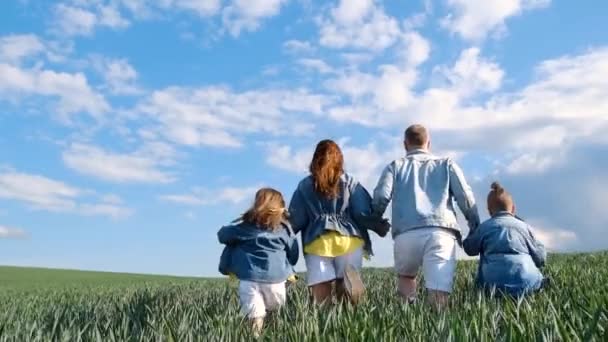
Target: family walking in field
x=334 y=215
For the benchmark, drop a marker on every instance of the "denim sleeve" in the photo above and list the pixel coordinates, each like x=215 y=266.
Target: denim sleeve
x=537 y=249
x=463 y=194
x=361 y=212
x=292 y=249
x=298 y=217
x=227 y=235
x=360 y=201
x=383 y=193
x=472 y=244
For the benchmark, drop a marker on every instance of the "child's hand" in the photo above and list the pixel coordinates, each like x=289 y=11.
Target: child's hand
x=292 y=279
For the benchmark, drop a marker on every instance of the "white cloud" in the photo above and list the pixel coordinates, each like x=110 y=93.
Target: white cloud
x=38 y=191
x=352 y=11
x=472 y=74
x=315 y=64
x=295 y=47
x=247 y=15
x=416 y=49
x=105 y=209
x=473 y=20
x=532 y=163
x=81 y=18
x=12 y=233
x=205 y=197
x=71 y=20
x=119 y=75
x=136 y=167
x=218 y=116
x=203 y=8
x=42 y=193
x=110 y=16
x=358 y=24
x=13 y=48
x=283 y=158
x=73 y=90
x=564 y=102
x=555 y=239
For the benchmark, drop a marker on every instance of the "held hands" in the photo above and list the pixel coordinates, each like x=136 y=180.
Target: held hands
x=377 y=224
x=382 y=227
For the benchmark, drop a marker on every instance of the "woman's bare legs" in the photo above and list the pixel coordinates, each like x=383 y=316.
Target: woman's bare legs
x=321 y=293
x=341 y=290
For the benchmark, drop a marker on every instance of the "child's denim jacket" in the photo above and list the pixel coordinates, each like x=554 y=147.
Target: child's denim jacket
x=256 y=254
x=510 y=255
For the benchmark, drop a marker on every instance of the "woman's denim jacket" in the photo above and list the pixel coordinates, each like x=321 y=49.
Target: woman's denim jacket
x=348 y=214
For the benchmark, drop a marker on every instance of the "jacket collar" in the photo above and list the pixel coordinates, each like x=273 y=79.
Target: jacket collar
x=502 y=213
x=417 y=151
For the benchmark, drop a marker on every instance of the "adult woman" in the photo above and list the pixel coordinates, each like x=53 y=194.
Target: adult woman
x=332 y=210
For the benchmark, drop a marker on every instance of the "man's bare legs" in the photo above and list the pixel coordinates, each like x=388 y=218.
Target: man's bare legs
x=438 y=299
x=406 y=286
x=407 y=290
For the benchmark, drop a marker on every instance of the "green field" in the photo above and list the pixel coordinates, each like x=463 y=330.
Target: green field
x=43 y=305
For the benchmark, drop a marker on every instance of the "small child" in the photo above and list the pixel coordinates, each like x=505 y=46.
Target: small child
x=510 y=255
x=260 y=251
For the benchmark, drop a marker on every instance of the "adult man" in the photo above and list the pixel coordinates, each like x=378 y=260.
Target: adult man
x=423 y=188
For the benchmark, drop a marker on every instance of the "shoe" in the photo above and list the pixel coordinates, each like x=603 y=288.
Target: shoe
x=353 y=284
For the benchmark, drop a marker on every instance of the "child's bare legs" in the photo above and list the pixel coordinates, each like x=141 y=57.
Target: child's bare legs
x=407 y=288
x=257 y=324
x=321 y=293
x=258 y=298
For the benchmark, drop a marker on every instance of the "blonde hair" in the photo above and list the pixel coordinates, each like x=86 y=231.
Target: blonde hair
x=499 y=199
x=326 y=168
x=268 y=210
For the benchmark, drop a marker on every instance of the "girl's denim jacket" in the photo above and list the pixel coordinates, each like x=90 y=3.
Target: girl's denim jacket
x=510 y=255
x=258 y=254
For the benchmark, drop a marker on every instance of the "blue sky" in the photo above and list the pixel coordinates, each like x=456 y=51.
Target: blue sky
x=131 y=130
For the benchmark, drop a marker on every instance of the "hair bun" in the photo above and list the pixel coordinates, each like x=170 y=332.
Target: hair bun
x=497 y=187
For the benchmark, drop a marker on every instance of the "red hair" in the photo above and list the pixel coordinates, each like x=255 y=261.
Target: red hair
x=326 y=168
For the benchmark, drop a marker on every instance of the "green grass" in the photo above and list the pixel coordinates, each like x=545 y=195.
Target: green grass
x=43 y=305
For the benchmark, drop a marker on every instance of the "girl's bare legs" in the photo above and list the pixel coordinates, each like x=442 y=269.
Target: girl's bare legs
x=256 y=326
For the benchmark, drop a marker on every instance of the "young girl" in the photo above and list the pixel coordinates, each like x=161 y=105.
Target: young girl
x=261 y=252
x=511 y=257
x=332 y=210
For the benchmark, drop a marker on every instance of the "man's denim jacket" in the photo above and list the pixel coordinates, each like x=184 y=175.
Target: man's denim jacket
x=423 y=189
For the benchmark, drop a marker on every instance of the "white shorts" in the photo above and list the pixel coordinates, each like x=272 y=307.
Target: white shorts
x=257 y=298
x=432 y=248
x=323 y=269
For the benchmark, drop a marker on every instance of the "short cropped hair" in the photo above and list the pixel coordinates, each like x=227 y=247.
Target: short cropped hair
x=416 y=135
